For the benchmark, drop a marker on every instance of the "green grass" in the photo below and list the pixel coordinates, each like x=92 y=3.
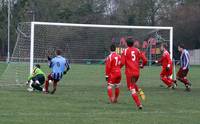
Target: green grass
x=81 y=98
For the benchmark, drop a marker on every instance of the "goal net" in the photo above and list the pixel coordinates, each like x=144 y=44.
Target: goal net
x=81 y=43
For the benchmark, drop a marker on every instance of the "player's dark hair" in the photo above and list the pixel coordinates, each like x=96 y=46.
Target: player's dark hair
x=112 y=47
x=37 y=65
x=58 y=52
x=182 y=46
x=129 y=42
x=164 y=45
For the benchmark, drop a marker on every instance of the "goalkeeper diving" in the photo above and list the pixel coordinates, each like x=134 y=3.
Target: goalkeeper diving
x=36 y=79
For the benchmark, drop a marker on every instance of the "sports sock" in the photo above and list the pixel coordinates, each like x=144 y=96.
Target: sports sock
x=46 y=85
x=184 y=80
x=117 y=90
x=109 y=91
x=136 y=87
x=167 y=81
x=135 y=97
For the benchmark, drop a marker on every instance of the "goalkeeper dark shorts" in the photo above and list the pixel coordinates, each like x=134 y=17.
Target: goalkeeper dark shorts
x=40 y=78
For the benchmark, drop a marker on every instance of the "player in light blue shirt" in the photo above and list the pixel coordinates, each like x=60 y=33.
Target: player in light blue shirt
x=59 y=66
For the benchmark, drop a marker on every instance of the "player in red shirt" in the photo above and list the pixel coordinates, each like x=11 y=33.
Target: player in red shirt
x=167 y=67
x=113 y=74
x=131 y=57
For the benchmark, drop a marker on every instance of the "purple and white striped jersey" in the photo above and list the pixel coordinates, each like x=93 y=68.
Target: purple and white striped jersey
x=185 y=59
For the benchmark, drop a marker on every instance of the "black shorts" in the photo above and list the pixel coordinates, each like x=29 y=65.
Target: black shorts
x=40 y=78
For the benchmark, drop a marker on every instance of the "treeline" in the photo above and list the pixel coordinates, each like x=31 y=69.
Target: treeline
x=183 y=15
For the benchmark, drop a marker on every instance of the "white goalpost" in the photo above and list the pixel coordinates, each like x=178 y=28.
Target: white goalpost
x=33 y=24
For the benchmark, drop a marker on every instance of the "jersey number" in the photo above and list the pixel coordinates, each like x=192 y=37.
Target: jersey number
x=116 y=61
x=133 y=55
x=58 y=64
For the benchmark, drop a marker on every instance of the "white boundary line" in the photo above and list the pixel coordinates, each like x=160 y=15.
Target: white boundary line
x=97 y=113
x=7 y=85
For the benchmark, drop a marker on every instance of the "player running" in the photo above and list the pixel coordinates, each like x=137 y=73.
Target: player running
x=184 y=67
x=36 y=79
x=59 y=66
x=113 y=74
x=167 y=67
x=131 y=57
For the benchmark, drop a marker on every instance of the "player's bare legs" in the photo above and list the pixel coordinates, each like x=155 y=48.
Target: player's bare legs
x=54 y=87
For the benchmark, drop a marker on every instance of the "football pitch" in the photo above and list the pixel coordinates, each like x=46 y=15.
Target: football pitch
x=81 y=98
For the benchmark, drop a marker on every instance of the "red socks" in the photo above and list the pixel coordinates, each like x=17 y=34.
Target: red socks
x=110 y=94
x=136 y=98
x=109 y=91
x=184 y=80
x=136 y=87
x=167 y=81
x=116 y=94
x=46 y=86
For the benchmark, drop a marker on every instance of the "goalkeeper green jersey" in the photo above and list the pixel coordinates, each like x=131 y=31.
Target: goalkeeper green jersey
x=36 y=71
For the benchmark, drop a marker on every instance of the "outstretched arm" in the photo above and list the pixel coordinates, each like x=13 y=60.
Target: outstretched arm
x=144 y=59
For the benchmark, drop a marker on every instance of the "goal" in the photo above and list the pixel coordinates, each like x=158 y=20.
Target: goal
x=81 y=43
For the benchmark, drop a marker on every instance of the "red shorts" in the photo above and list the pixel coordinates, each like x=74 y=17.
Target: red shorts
x=114 y=78
x=166 y=73
x=182 y=73
x=130 y=80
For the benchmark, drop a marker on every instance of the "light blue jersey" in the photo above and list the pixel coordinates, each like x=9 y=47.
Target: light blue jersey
x=58 y=65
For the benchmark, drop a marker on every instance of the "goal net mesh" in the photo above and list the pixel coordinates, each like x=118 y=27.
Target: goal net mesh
x=82 y=45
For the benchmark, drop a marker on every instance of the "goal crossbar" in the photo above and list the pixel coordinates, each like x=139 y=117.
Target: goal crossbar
x=102 y=26
x=94 y=26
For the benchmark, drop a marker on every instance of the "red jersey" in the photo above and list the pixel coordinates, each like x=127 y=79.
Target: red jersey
x=113 y=64
x=165 y=60
x=144 y=58
x=131 y=59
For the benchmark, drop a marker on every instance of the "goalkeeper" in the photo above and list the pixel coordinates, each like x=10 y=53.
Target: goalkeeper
x=36 y=79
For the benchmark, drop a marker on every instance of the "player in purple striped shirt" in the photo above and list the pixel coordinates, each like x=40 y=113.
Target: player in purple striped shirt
x=184 y=67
